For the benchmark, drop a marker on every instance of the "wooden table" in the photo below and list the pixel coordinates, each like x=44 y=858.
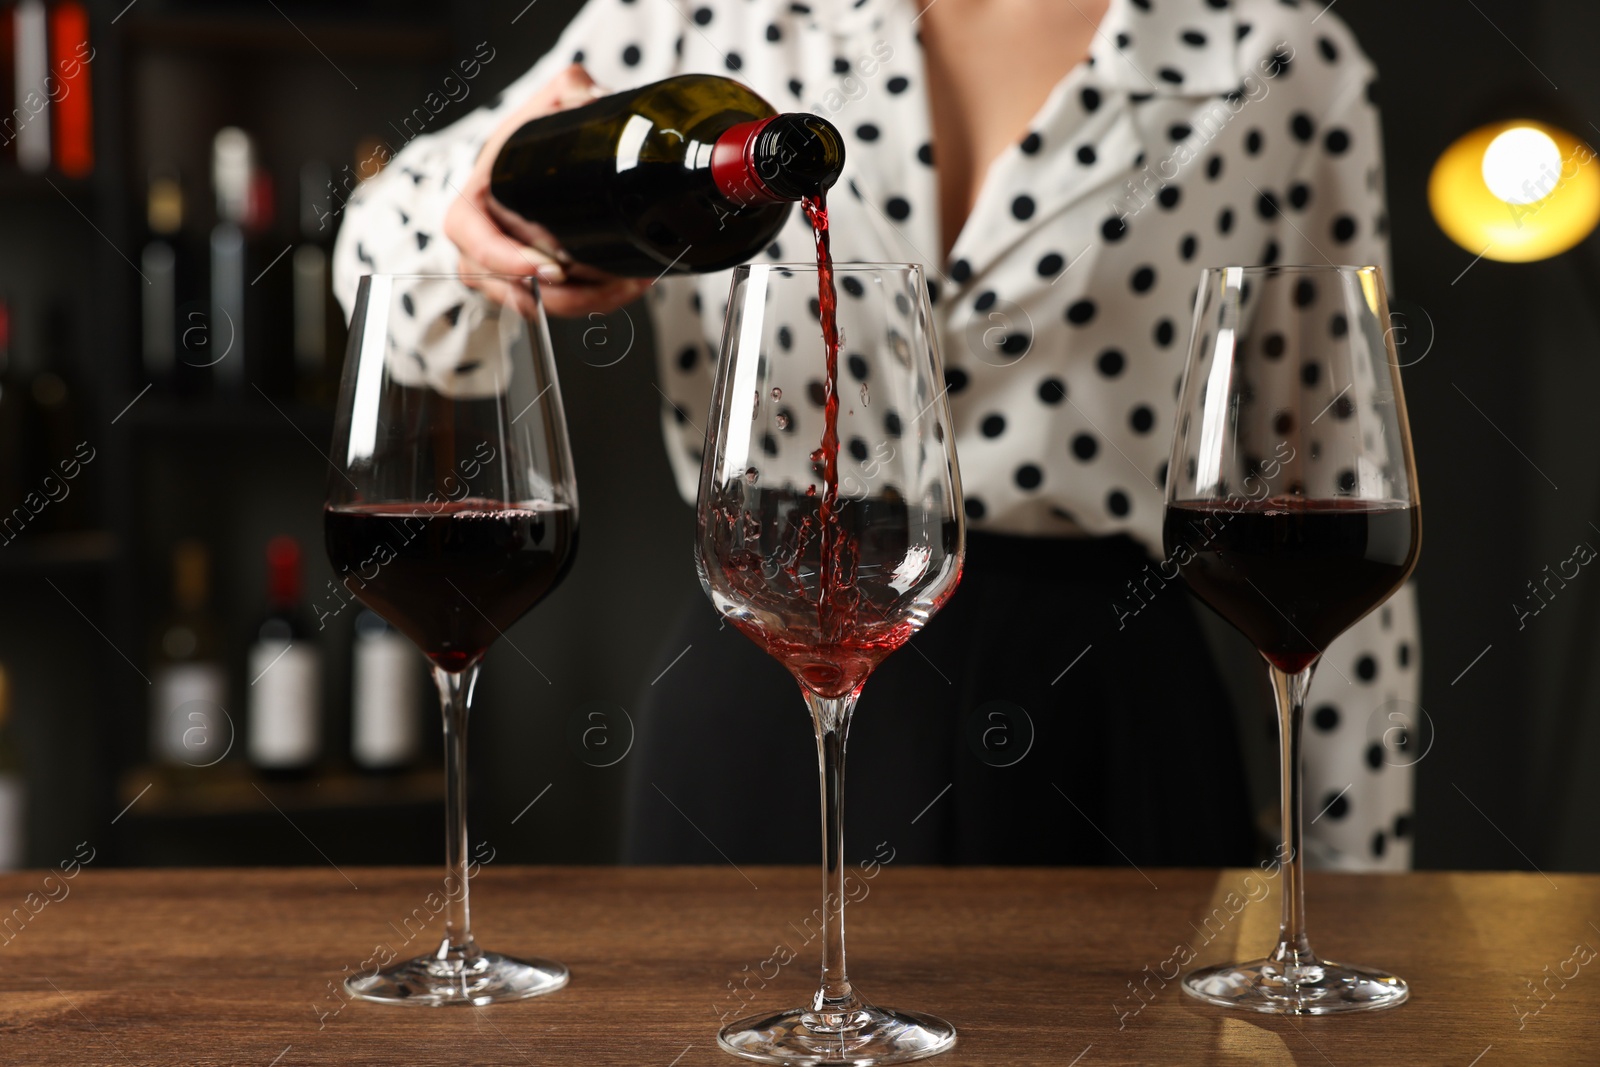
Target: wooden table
x=1033 y=966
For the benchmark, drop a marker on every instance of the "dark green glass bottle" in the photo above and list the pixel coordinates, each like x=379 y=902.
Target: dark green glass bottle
x=695 y=173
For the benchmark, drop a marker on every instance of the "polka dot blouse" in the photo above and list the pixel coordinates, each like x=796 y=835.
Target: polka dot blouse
x=1197 y=133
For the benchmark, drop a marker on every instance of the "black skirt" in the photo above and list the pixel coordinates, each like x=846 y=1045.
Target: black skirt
x=1047 y=715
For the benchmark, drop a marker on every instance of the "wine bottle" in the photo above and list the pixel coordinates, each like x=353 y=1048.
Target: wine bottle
x=695 y=173
x=317 y=323
x=9 y=115
x=385 y=696
x=285 y=669
x=158 y=262
x=232 y=168
x=74 y=111
x=14 y=430
x=189 y=725
x=13 y=787
x=32 y=113
x=59 y=428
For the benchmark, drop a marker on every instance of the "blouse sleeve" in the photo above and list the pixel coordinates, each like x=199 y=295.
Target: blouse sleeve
x=1364 y=727
x=393 y=223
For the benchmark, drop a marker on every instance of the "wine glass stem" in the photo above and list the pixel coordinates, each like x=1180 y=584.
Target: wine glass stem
x=1289 y=692
x=835 y=998
x=455 y=697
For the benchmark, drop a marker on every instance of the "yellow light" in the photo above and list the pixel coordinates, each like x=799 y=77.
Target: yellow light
x=1522 y=165
x=1516 y=191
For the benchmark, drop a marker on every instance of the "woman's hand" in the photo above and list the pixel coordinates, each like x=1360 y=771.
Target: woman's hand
x=486 y=240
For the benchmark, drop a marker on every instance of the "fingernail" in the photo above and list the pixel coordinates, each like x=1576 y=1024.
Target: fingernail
x=552 y=274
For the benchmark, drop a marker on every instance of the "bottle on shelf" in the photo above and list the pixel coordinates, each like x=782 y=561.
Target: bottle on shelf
x=58 y=425
x=385 y=698
x=73 y=102
x=14 y=431
x=8 y=87
x=318 y=327
x=244 y=287
x=13 y=786
x=694 y=173
x=159 y=262
x=227 y=330
x=189 y=725
x=285 y=669
x=30 y=28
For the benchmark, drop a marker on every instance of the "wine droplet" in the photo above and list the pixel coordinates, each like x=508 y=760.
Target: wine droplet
x=817 y=455
x=865 y=399
x=751 y=474
x=783 y=420
x=777 y=394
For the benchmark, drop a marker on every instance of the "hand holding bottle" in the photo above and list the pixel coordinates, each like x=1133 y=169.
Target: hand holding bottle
x=492 y=242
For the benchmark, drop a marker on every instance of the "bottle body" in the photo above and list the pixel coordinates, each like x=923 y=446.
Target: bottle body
x=188 y=723
x=670 y=177
x=318 y=324
x=16 y=434
x=386 y=692
x=13 y=788
x=285 y=668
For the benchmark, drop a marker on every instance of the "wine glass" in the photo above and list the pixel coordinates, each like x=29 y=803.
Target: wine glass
x=1292 y=511
x=830 y=530
x=452 y=509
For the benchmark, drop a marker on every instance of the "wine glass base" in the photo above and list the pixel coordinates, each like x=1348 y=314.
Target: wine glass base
x=874 y=1035
x=487 y=978
x=1321 y=988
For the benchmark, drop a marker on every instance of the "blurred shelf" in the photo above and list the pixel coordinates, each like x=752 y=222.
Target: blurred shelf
x=234 y=788
x=58 y=552
x=19 y=185
x=278 y=33
x=250 y=414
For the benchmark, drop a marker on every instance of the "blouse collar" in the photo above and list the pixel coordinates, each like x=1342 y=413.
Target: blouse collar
x=1168 y=47
x=1154 y=47
x=1140 y=50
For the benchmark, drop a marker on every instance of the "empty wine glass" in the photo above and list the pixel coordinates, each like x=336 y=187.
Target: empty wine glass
x=830 y=530
x=452 y=510
x=1292 y=511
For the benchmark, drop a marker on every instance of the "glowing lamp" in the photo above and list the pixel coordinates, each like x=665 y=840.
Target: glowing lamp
x=1516 y=191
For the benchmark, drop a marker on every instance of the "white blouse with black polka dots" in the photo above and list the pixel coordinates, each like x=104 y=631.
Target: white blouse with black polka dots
x=1198 y=132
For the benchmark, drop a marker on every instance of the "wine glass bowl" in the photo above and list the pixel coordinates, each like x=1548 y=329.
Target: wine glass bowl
x=830 y=530
x=764 y=500
x=452 y=510
x=1292 y=511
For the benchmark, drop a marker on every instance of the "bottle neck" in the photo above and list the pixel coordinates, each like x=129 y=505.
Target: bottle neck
x=191 y=579
x=283 y=589
x=778 y=159
x=735 y=168
x=283 y=574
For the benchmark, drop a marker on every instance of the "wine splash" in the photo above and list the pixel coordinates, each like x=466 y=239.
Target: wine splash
x=835 y=611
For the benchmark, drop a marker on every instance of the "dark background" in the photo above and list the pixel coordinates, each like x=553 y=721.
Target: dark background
x=1509 y=488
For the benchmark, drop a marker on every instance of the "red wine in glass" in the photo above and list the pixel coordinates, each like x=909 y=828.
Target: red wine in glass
x=1296 y=363
x=1293 y=573
x=452 y=576
x=832 y=651
x=452 y=510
